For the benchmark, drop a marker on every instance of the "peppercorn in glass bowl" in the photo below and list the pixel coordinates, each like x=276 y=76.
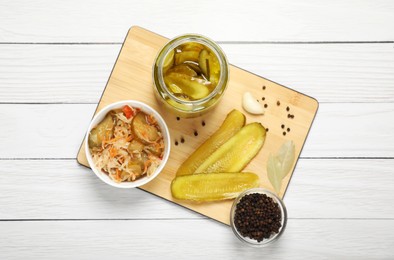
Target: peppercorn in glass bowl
x=258 y=217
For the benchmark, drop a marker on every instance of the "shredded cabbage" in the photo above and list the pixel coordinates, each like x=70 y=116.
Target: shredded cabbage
x=115 y=156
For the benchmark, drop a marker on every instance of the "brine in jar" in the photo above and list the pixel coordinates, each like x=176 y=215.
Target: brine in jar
x=190 y=75
x=192 y=71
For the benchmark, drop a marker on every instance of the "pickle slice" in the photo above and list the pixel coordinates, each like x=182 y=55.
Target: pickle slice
x=193 y=87
x=168 y=61
x=184 y=69
x=237 y=152
x=212 y=186
x=203 y=60
x=103 y=131
x=210 y=66
x=181 y=57
x=142 y=130
x=214 y=69
x=234 y=121
x=175 y=89
x=194 y=66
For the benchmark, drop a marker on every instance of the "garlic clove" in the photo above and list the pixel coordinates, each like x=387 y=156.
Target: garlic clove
x=251 y=105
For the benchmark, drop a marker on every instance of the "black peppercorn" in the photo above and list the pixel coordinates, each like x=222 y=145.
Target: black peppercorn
x=257 y=216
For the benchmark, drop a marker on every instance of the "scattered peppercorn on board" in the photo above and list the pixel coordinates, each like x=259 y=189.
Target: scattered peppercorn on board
x=288 y=116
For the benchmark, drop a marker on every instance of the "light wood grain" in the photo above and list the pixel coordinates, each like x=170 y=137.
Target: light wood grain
x=78 y=73
x=193 y=239
x=108 y=21
x=62 y=189
x=340 y=130
x=131 y=78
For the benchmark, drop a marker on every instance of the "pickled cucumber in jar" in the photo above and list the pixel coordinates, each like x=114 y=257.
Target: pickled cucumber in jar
x=191 y=71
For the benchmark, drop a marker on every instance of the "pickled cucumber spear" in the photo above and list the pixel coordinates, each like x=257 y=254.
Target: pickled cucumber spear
x=234 y=121
x=237 y=152
x=212 y=186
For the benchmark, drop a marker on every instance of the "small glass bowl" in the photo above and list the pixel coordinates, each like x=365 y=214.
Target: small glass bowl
x=273 y=237
x=180 y=107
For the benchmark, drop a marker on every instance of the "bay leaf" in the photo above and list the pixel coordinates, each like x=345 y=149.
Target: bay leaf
x=286 y=156
x=273 y=167
x=280 y=164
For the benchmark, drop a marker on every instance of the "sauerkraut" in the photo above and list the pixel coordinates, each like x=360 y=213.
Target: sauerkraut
x=127 y=144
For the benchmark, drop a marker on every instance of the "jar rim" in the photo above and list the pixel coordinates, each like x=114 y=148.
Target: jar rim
x=175 y=42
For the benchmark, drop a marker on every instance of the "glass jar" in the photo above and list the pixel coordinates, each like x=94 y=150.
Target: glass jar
x=175 y=100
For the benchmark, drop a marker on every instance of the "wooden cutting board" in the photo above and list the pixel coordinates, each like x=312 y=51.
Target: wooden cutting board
x=289 y=116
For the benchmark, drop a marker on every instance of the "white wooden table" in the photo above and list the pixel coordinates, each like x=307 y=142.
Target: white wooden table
x=55 y=58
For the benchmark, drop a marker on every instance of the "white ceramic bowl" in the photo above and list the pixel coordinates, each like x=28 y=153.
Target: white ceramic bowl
x=164 y=129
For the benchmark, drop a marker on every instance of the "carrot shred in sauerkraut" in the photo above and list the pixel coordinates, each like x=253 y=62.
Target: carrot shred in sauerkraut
x=118 y=158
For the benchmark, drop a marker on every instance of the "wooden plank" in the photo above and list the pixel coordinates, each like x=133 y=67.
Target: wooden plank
x=338 y=131
x=44 y=131
x=131 y=78
x=60 y=21
x=65 y=190
x=142 y=239
x=55 y=73
x=78 y=73
x=61 y=189
x=334 y=188
x=343 y=130
x=330 y=73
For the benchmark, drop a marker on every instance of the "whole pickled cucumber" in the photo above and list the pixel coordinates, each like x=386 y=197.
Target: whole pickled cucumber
x=212 y=186
x=234 y=121
x=237 y=152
